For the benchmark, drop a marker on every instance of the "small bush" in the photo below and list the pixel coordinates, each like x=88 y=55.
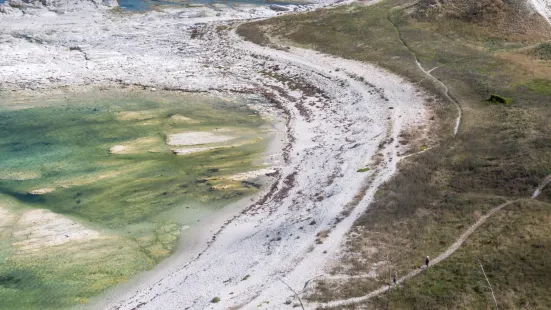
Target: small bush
x=215 y=300
x=494 y=98
x=543 y=51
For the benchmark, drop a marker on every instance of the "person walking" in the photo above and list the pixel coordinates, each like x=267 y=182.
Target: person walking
x=427 y=261
x=395 y=278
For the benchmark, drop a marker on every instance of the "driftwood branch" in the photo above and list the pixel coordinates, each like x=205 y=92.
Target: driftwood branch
x=292 y=290
x=308 y=282
x=488 y=281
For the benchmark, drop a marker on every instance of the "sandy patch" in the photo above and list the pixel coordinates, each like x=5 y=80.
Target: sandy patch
x=183 y=119
x=193 y=150
x=222 y=130
x=42 y=191
x=19 y=175
x=118 y=149
x=252 y=174
x=135 y=115
x=140 y=145
x=196 y=138
x=151 y=122
x=6 y=221
x=39 y=229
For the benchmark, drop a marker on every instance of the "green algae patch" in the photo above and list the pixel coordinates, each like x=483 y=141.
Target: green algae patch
x=91 y=193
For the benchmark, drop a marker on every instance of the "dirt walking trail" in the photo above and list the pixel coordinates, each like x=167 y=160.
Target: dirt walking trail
x=428 y=73
x=449 y=251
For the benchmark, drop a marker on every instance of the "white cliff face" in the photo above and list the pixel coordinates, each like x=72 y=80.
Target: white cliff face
x=543 y=7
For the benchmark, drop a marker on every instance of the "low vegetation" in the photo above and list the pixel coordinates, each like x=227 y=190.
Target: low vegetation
x=543 y=51
x=495 y=98
x=502 y=151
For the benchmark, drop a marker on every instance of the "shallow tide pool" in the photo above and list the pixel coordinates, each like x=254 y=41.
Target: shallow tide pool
x=93 y=191
x=144 y=5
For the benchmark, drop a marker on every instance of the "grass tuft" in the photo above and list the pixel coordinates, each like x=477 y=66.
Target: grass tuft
x=495 y=98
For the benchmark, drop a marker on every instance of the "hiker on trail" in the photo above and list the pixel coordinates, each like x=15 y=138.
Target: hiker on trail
x=427 y=261
x=395 y=278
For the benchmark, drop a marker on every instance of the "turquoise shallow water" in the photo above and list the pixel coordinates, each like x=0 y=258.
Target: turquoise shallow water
x=137 y=201
x=70 y=142
x=144 y=5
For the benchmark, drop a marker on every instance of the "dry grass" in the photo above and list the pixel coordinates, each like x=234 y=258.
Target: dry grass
x=501 y=152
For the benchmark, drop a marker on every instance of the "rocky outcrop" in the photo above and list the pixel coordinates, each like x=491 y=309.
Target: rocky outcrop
x=279 y=8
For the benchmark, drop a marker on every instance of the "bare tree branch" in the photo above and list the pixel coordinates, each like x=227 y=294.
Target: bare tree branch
x=292 y=290
x=308 y=282
x=489 y=285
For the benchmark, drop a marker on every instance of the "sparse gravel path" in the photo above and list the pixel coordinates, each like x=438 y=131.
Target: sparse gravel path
x=449 y=251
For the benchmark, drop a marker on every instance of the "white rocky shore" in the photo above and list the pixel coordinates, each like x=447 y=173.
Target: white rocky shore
x=342 y=116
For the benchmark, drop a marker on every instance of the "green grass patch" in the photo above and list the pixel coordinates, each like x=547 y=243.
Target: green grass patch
x=540 y=86
x=543 y=51
x=513 y=249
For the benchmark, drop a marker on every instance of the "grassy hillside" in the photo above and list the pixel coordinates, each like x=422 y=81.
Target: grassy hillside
x=501 y=153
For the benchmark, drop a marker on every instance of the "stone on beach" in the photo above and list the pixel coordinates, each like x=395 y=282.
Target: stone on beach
x=42 y=191
x=140 y=145
x=279 y=8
